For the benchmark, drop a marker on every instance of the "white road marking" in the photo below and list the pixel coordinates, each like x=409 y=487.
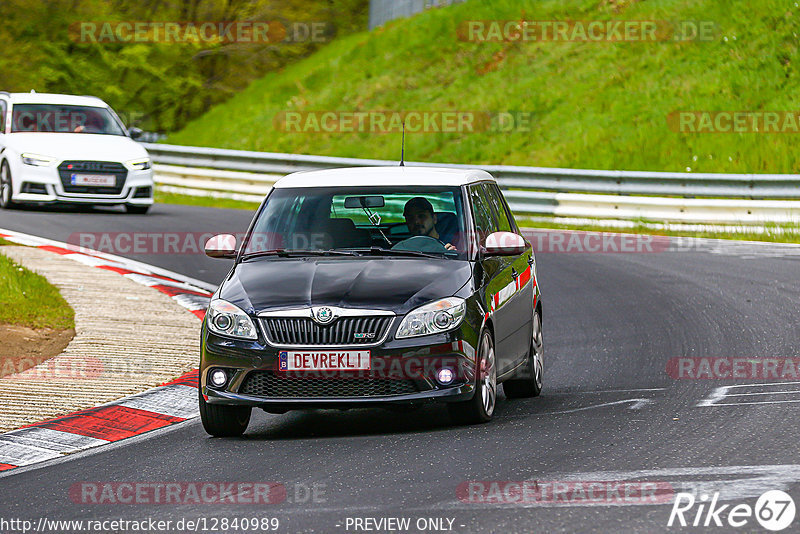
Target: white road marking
x=601 y=391
x=637 y=404
x=175 y=400
x=19 y=454
x=731 y=393
x=149 y=281
x=46 y=438
x=192 y=302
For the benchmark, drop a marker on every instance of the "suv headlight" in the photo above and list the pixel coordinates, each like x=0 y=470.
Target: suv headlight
x=37 y=160
x=140 y=164
x=226 y=319
x=433 y=318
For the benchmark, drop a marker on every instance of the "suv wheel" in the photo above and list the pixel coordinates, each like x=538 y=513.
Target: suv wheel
x=480 y=408
x=223 y=421
x=530 y=382
x=6 y=188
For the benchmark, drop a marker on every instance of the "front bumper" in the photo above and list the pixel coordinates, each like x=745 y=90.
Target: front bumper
x=46 y=182
x=413 y=361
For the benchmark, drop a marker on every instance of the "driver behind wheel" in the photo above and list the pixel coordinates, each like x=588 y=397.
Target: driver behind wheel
x=421 y=220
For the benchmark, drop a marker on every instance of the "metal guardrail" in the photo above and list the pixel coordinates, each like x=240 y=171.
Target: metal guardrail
x=665 y=196
x=382 y=11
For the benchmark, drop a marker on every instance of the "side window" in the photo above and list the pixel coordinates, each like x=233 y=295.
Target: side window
x=275 y=230
x=499 y=208
x=2 y=116
x=485 y=219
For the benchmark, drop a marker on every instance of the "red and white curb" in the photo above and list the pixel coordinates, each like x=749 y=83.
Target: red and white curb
x=168 y=404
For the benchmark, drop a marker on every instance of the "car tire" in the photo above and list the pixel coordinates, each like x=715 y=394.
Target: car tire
x=132 y=208
x=6 y=186
x=529 y=384
x=223 y=421
x=481 y=407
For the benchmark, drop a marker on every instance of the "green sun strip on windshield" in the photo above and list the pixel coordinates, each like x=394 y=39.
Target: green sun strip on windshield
x=392 y=211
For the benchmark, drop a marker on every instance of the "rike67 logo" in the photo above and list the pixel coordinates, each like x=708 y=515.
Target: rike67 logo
x=774 y=510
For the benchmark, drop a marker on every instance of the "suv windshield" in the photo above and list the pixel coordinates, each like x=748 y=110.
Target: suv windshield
x=391 y=221
x=58 y=118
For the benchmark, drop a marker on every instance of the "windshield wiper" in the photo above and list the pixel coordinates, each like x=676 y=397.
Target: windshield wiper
x=285 y=253
x=378 y=251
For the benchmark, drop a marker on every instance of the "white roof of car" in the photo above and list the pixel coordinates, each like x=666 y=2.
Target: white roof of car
x=391 y=176
x=47 y=98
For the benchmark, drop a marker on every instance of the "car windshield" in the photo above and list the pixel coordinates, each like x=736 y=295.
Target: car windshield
x=376 y=221
x=56 y=118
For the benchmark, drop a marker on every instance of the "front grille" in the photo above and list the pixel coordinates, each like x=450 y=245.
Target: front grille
x=68 y=168
x=269 y=384
x=343 y=331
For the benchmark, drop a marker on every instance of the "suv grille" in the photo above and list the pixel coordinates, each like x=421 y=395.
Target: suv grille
x=343 y=331
x=269 y=384
x=68 y=168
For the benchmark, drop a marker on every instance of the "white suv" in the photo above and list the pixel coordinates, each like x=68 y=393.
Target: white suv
x=62 y=148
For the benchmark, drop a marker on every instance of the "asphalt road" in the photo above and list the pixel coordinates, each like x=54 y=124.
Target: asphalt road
x=609 y=411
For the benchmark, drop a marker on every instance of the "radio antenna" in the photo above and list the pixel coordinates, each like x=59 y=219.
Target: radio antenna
x=403 y=147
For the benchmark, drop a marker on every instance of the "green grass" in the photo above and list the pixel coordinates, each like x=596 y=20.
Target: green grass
x=595 y=105
x=28 y=299
x=208 y=202
x=774 y=233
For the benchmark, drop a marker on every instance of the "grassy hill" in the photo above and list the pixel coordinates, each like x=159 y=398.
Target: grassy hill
x=594 y=104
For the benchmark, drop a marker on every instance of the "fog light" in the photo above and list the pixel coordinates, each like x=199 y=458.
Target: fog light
x=218 y=377
x=445 y=376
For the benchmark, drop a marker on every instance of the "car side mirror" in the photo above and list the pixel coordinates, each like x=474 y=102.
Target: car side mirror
x=504 y=244
x=221 y=246
x=136 y=133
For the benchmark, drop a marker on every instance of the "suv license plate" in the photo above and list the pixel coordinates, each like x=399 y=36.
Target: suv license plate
x=106 y=180
x=337 y=360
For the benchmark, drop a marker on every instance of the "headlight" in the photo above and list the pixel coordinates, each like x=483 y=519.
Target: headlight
x=37 y=160
x=140 y=164
x=226 y=319
x=433 y=318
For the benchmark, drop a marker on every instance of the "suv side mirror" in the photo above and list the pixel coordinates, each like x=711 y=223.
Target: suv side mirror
x=504 y=244
x=221 y=246
x=136 y=133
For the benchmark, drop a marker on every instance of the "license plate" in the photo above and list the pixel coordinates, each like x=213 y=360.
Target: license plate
x=338 y=360
x=94 y=179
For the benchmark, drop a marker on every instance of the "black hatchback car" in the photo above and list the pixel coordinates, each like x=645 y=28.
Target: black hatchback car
x=373 y=287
